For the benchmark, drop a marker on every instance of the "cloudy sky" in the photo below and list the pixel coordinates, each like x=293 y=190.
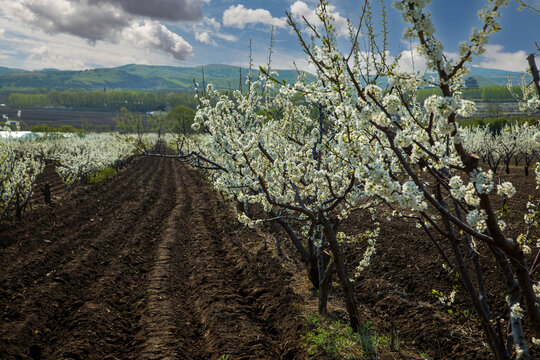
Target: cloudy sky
x=83 y=34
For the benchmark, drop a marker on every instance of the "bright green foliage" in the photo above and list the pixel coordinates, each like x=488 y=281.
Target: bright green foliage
x=495 y=124
x=128 y=122
x=43 y=128
x=180 y=119
x=338 y=341
x=499 y=93
x=101 y=175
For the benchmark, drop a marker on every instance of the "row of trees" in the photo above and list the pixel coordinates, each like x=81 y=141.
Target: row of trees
x=103 y=100
x=496 y=124
x=76 y=159
x=146 y=101
x=177 y=121
x=484 y=93
x=18 y=172
x=512 y=144
x=381 y=151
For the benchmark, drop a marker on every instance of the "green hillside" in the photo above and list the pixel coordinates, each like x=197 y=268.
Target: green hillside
x=484 y=81
x=170 y=78
x=129 y=77
x=494 y=77
x=5 y=70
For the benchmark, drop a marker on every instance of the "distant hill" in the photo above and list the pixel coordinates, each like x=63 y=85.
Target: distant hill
x=494 y=77
x=5 y=70
x=166 y=78
x=130 y=77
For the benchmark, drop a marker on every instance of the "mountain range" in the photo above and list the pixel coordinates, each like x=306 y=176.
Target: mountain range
x=167 y=78
x=131 y=77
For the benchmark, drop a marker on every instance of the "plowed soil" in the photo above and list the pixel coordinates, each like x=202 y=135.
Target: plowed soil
x=147 y=265
x=151 y=264
x=396 y=291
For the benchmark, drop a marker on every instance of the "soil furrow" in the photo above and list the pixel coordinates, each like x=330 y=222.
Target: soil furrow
x=61 y=245
x=50 y=296
x=134 y=245
x=56 y=224
x=161 y=339
x=162 y=272
x=226 y=286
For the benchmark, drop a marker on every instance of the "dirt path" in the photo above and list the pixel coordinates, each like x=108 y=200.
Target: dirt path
x=148 y=265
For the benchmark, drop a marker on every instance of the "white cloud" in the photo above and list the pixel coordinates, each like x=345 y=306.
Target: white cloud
x=286 y=61
x=238 y=16
x=153 y=35
x=412 y=61
x=40 y=51
x=300 y=10
x=48 y=59
x=111 y=21
x=211 y=22
x=204 y=37
x=67 y=52
x=2 y=32
x=208 y=29
x=62 y=16
x=227 y=37
x=496 y=58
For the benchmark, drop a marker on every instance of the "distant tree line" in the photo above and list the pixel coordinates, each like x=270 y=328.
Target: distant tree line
x=485 y=93
x=114 y=100
x=50 y=129
x=110 y=100
x=496 y=124
x=178 y=121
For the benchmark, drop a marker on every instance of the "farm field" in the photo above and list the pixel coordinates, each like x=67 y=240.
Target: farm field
x=396 y=292
x=373 y=211
x=147 y=265
x=57 y=118
x=150 y=264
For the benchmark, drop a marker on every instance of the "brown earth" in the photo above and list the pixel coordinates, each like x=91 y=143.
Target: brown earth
x=57 y=118
x=395 y=291
x=147 y=265
x=151 y=264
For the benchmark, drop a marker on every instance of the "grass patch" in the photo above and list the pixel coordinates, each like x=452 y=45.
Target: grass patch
x=337 y=340
x=101 y=175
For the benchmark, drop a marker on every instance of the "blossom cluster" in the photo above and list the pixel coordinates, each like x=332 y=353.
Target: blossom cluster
x=18 y=172
x=366 y=144
x=76 y=157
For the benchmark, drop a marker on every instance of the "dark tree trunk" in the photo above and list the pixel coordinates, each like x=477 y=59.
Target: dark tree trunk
x=277 y=237
x=47 y=193
x=341 y=269
x=324 y=288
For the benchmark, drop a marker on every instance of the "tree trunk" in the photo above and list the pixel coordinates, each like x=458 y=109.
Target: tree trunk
x=313 y=265
x=304 y=254
x=519 y=263
x=341 y=268
x=513 y=296
x=277 y=238
x=324 y=287
x=47 y=193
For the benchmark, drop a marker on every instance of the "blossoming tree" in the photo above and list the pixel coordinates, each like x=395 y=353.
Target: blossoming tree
x=422 y=170
x=373 y=146
x=271 y=152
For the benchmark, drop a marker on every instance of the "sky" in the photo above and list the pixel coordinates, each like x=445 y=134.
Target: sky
x=86 y=34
